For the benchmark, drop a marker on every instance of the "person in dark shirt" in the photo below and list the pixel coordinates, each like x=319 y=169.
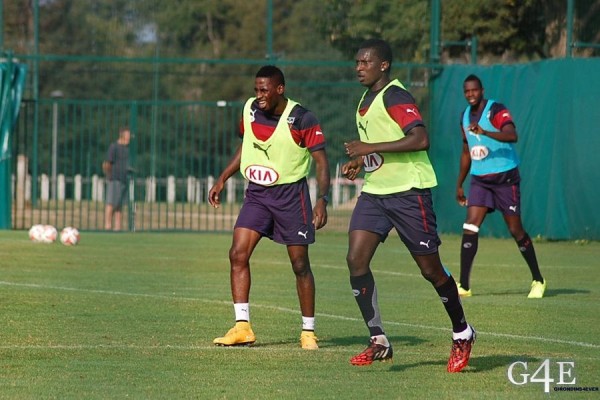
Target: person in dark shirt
x=116 y=168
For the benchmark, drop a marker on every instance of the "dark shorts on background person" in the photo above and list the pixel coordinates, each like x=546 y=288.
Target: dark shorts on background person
x=497 y=192
x=282 y=213
x=410 y=213
x=116 y=194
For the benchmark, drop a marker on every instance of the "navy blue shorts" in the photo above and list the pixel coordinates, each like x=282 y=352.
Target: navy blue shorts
x=497 y=192
x=411 y=213
x=282 y=213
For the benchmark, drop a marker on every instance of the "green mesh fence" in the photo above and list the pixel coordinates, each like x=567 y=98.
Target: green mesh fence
x=79 y=92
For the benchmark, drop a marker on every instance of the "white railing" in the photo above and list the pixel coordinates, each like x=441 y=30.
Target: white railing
x=195 y=189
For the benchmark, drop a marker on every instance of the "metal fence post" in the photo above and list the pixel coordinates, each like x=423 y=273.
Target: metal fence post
x=132 y=163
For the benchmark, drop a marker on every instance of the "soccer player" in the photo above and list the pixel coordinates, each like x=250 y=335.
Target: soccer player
x=488 y=154
x=396 y=194
x=279 y=139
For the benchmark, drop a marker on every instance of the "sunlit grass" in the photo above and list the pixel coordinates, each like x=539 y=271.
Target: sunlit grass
x=134 y=315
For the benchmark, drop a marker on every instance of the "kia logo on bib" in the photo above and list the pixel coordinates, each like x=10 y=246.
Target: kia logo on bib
x=479 y=152
x=372 y=162
x=261 y=175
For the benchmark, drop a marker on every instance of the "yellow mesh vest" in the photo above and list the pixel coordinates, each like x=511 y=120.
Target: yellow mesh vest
x=277 y=160
x=388 y=173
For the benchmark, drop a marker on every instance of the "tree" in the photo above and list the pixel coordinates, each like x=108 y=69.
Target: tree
x=506 y=30
x=403 y=24
x=227 y=30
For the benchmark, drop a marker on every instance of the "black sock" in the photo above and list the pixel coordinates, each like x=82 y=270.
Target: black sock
x=365 y=293
x=449 y=295
x=468 y=249
x=528 y=253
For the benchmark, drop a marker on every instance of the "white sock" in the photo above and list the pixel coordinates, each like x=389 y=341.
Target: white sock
x=308 y=323
x=381 y=339
x=464 y=335
x=242 y=311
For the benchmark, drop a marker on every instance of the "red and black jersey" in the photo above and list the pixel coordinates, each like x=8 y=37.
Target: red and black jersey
x=400 y=105
x=499 y=116
x=304 y=126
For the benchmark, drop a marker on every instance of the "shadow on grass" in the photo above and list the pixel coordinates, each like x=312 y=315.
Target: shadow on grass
x=560 y=292
x=364 y=340
x=344 y=341
x=476 y=364
x=548 y=293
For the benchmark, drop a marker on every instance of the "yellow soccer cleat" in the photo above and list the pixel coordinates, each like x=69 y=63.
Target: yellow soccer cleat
x=308 y=340
x=240 y=335
x=537 y=290
x=462 y=292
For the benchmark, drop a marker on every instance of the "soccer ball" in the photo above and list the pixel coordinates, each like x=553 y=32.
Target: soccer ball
x=36 y=232
x=69 y=236
x=49 y=234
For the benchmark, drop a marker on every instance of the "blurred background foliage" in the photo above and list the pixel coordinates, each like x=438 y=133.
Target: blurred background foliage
x=176 y=38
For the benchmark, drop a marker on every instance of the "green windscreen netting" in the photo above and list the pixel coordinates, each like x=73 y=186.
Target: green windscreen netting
x=556 y=108
x=12 y=79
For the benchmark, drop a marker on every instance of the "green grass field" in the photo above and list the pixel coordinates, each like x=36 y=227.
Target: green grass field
x=134 y=315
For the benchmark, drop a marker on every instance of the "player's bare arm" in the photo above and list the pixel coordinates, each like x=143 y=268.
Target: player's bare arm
x=228 y=172
x=107 y=168
x=464 y=167
x=416 y=139
x=323 y=182
x=507 y=134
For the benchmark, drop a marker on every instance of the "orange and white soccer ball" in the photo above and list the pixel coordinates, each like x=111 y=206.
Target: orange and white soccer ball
x=69 y=236
x=49 y=234
x=36 y=232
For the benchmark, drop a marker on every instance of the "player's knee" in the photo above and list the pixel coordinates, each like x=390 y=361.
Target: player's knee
x=238 y=256
x=432 y=271
x=429 y=276
x=435 y=277
x=517 y=233
x=355 y=264
x=301 y=268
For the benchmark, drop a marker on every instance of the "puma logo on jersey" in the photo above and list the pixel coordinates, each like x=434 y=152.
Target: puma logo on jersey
x=474 y=134
x=513 y=208
x=258 y=147
x=426 y=244
x=252 y=118
x=303 y=234
x=411 y=110
x=363 y=128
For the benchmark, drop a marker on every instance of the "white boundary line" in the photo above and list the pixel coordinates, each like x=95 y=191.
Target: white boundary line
x=282 y=309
